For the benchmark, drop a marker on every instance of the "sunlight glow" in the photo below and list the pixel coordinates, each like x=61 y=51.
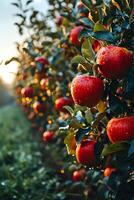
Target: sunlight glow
x=9 y=34
x=7 y=73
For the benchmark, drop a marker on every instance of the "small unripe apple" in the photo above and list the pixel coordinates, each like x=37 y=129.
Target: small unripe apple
x=85 y=153
x=27 y=92
x=120 y=129
x=87 y=90
x=48 y=136
x=61 y=102
x=108 y=171
x=39 y=107
x=114 y=62
x=74 y=35
x=79 y=175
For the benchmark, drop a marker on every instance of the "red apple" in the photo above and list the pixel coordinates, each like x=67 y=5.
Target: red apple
x=87 y=90
x=27 y=92
x=63 y=101
x=120 y=129
x=108 y=171
x=119 y=91
x=74 y=34
x=85 y=152
x=39 y=107
x=48 y=136
x=43 y=83
x=42 y=60
x=79 y=175
x=114 y=62
x=59 y=20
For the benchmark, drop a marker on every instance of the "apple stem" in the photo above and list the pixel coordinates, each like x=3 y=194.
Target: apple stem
x=95 y=67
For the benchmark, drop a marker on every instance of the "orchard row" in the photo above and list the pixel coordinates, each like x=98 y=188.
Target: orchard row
x=76 y=83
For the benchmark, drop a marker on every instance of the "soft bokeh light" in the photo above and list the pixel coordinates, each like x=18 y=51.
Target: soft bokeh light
x=9 y=35
x=7 y=73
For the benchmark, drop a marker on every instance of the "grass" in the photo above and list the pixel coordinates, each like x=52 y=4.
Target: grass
x=23 y=175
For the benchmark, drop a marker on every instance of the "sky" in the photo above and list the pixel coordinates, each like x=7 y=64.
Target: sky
x=9 y=35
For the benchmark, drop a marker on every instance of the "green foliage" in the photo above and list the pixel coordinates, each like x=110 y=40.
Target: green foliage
x=22 y=172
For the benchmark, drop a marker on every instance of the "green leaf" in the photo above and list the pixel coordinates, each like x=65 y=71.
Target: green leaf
x=85 y=33
x=30 y=52
x=87 y=22
x=51 y=34
x=99 y=35
x=69 y=109
x=98 y=149
x=70 y=143
x=73 y=123
x=78 y=59
x=81 y=133
x=81 y=60
x=107 y=2
x=87 y=3
x=114 y=148
x=104 y=35
x=20 y=15
x=131 y=148
x=98 y=27
x=15 y=4
x=87 y=50
x=79 y=108
x=129 y=85
x=88 y=116
x=28 y=2
x=80 y=117
x=116 y=106
x=98 y=118
x=46 y=43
